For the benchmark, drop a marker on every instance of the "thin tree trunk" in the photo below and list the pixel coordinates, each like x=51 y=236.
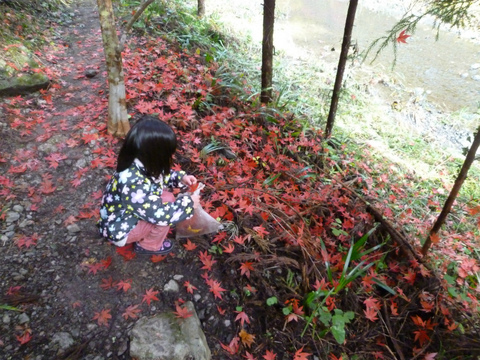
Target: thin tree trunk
x=118 y=124
x=347 y=36
x=469 y=159
x=267 y=50
x=201 y=8
x=134 y=18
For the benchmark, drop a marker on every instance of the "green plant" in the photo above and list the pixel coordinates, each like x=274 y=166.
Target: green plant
x=316 y=300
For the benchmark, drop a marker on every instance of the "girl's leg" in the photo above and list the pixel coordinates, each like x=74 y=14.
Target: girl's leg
x=150 y=236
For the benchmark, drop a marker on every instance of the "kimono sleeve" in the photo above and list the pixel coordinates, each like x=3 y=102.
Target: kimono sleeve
x=145 y=203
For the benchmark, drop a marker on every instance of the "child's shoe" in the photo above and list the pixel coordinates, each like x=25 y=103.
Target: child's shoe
x=164 y=250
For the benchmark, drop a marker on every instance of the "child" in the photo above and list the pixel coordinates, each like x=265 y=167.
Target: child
x=136 y=208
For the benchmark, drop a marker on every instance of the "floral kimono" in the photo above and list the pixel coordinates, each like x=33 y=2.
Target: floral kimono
x=131 y=196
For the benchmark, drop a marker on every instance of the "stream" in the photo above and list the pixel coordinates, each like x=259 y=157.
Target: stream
x=447 y=69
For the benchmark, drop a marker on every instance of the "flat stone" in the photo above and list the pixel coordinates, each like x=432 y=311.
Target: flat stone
x=165 y=337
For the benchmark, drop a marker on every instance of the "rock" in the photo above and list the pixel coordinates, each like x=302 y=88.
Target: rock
x=73 y=228
x=165 y=337
x=171 y=286
x=18 y=208
x=475 y=66
x=24 y=84
x=62 y=341
x=23 y=318
x=11 y=217
x=476 y=77
x=90 y=73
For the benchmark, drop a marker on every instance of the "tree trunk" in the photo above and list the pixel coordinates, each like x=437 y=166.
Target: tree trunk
x=469 y=159
x=347 y=36
x=267 y=50
x=118 y=124
x=201 y=8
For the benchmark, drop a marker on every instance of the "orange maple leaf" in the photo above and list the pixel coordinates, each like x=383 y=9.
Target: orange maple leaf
x=247 y=339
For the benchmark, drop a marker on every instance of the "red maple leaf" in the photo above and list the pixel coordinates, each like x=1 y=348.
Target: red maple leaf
x=102 y=317
x=131 y=312
x=107 y=283
x=126 y=252
x=229 y=248
x=245 y=268
x=150 y=296
x=269 y=355
x=402 y=37
x=421 y=336
x=25 y=337
x=93 y=268
x=207 y=260
x=189 y=246
x=242 y=317
x=89 y=137
x=193 y=187
x=124 y=285
x=300 y=355
x=189 y=287
x=157 y=258
x=106 y=262
x=47 y=187
x=232 y=348
x=215 y=288
x=220 y=310
x=182 y=312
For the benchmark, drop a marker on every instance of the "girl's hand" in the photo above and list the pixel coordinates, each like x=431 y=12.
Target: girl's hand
x=189 y=180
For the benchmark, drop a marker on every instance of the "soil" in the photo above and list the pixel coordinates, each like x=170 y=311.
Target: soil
x=51 y=282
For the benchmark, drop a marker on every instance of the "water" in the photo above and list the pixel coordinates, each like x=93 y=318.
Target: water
x=444 y=70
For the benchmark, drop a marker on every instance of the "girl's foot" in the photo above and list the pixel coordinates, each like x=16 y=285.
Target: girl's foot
x=165 y=249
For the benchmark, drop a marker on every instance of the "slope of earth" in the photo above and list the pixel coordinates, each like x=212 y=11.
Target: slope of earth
x=255 y=284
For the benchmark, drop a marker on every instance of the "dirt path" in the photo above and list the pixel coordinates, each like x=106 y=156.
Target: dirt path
x=55 y=268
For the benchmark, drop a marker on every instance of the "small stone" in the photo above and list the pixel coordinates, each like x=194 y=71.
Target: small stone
x=6 y=319
x=81 y=163
x=197 y=297
x=178 y=277
x=475 y=66
x=476 y=77
x=227 y=323
x=73 y=228
x=11 y=217
x=171 y=286
x=63 y=340
x=18 y=208
x=23 y=318
x=90 y=73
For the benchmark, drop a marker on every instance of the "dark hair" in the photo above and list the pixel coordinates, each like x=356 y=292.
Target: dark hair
x=152 y=142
